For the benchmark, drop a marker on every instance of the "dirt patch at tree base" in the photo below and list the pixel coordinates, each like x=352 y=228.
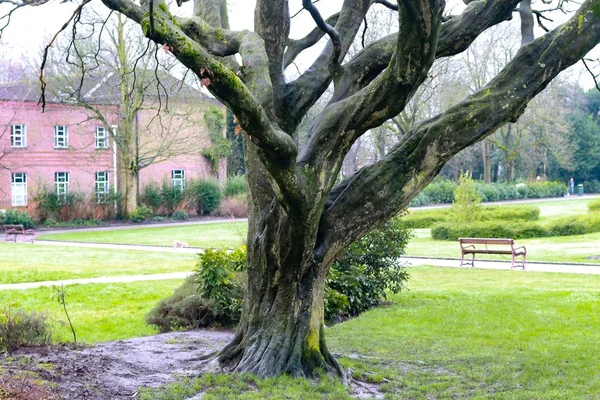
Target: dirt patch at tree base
x=116 y=370
x=112 y=370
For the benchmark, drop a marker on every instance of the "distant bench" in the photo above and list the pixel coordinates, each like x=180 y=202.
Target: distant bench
x=12 y=231
x=474 y=246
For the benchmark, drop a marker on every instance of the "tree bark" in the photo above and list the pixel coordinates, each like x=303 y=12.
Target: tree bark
x=487 y=161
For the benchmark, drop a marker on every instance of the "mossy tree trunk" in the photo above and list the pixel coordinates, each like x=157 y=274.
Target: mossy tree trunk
x=300 y=216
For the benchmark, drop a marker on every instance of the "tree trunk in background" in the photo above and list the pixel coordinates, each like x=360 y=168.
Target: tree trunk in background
x=487 y=161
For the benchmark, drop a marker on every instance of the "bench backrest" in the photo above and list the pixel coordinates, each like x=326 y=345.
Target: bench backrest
x=486 y=241
x=14 y=227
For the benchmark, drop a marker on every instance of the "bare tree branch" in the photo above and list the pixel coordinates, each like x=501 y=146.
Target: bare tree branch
x=295 y=47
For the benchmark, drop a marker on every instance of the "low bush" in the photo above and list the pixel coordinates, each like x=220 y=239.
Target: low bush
x=234 y=207
x=428 y=218
x=578 y=225
x=76 y=223
x=185 y=309
x=235 y=186
x=424 y=218
x=362 y=276
x=180 y=215
x=211 y=296
x=594 y=205
x=206 y=194
x=173 y=197
x=151 y=196
x=13 y=217
x=140 y=214
x=19 y=328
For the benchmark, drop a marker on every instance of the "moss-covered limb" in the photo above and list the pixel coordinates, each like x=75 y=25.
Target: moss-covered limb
x=385 y=97
x=302 y=94
x=219 y=42
x=272 y=23
x=295 y=47
x=213 y=12
x=456 y=35
x=377 y=192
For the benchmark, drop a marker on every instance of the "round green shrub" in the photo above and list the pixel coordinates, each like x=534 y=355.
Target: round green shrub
x=141 y=213
x=12 y=217
x=207 y=195
x=180 y=215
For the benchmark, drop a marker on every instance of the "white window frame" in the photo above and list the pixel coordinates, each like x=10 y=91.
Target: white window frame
x=18 y=182
x=61 y=137
x=61 y=184
x=18 y=135
x=178 y=179
x=102 y=186
x=101 y=138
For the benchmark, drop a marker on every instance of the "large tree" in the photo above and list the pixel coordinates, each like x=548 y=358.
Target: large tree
x=300 y=216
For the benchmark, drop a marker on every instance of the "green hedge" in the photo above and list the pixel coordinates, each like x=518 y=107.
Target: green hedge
x=570 y=226
x=428 y=218
x=594 y=205
x=442 y=192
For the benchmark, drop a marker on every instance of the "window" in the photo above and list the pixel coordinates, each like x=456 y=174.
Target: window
x=61 y=137
x=102 y=186
x=18 y=136
x=19 y=189
x=101 y=138
x=178 y=178
x=61 y=181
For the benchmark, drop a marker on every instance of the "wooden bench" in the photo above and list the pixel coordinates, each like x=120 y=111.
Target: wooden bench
x=474 y=246
x=12 y=231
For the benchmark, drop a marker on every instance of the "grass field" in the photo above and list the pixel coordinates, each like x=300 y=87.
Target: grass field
x=230 y=235
x=26 y=263
x=458 y=333
x=100 y=312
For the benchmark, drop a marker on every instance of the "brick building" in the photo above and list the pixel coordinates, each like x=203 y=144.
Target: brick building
x=66 y=148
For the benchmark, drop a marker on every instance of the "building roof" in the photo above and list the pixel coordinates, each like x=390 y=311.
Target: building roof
x=95 y=90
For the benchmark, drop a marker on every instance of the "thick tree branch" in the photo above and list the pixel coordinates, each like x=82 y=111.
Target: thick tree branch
x=295 y=47
x=304 y=91
x=379 y=191
x=278 y=149
x=456 y=36
x=272 y=23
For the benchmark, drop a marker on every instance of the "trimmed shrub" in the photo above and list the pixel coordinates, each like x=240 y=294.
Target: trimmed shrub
x=424 y=218
x=362 y=276
x=594 y=206
x=420 y=200
x=21 y=329
x=79 y=222
x=568 y=226
x=141 y=213
x=180 y=215
x=510 y=213
x=235 y=186
x=453 y=231
x=12 y=217
x=206 y=194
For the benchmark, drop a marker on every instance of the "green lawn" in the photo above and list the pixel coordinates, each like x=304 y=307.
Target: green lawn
x=27 y=263
x=456 y=334
x=100 y=312
x=231 y=234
